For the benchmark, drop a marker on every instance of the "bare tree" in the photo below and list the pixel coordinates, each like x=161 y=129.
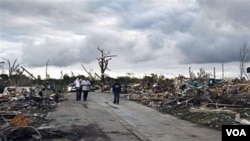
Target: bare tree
x=103 y=62
x=244 y=56
x=130 y=75
x=2 y=66
x=13 y=68
x=72 y=74
x=191 y=74
x=61 y=74
x=89 y=73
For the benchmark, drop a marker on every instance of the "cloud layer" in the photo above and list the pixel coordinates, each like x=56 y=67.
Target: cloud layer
x=150 y=35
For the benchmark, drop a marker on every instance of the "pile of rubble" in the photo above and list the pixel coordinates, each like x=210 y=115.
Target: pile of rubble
x=23 y=109
x=208 y=102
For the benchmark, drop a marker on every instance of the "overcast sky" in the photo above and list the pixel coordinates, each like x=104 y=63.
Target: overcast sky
x=148 y=36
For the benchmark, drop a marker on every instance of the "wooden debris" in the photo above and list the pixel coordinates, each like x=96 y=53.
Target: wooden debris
x=19 y=120
x=225 y=105
x=211 y=110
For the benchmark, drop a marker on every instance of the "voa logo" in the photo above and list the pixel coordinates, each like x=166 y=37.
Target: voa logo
x=236 y=132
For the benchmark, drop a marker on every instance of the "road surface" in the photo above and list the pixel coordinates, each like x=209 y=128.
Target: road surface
x=98 y=119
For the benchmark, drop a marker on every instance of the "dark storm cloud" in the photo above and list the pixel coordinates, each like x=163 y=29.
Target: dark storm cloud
x=138 y=32
x=214 y=50
x=37 y=54
x=217 y=34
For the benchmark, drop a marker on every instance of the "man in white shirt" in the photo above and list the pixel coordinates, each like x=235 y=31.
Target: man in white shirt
x=78 y=88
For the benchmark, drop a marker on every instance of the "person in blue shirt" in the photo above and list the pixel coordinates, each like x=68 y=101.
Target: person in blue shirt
x=116 y=88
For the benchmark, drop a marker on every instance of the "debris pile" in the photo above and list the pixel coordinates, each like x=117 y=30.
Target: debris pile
x=205 y=101
x=23 y=109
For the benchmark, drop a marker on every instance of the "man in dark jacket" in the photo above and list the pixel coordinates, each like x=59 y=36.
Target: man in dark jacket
x=116 y=90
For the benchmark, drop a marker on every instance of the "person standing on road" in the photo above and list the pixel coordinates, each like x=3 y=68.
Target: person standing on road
x=78 y=90
x=116 y=88
x=85 y=88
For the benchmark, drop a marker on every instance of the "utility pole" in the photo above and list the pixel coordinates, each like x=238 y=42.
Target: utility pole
x=214 y=73
x=46 y=73
x=222 y=70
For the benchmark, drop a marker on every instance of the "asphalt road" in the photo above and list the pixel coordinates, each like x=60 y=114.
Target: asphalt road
x=98 y=119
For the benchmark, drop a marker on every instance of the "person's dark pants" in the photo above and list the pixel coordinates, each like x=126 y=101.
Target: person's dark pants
x=116 y=98
x=85 y=95
x=78 y=94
